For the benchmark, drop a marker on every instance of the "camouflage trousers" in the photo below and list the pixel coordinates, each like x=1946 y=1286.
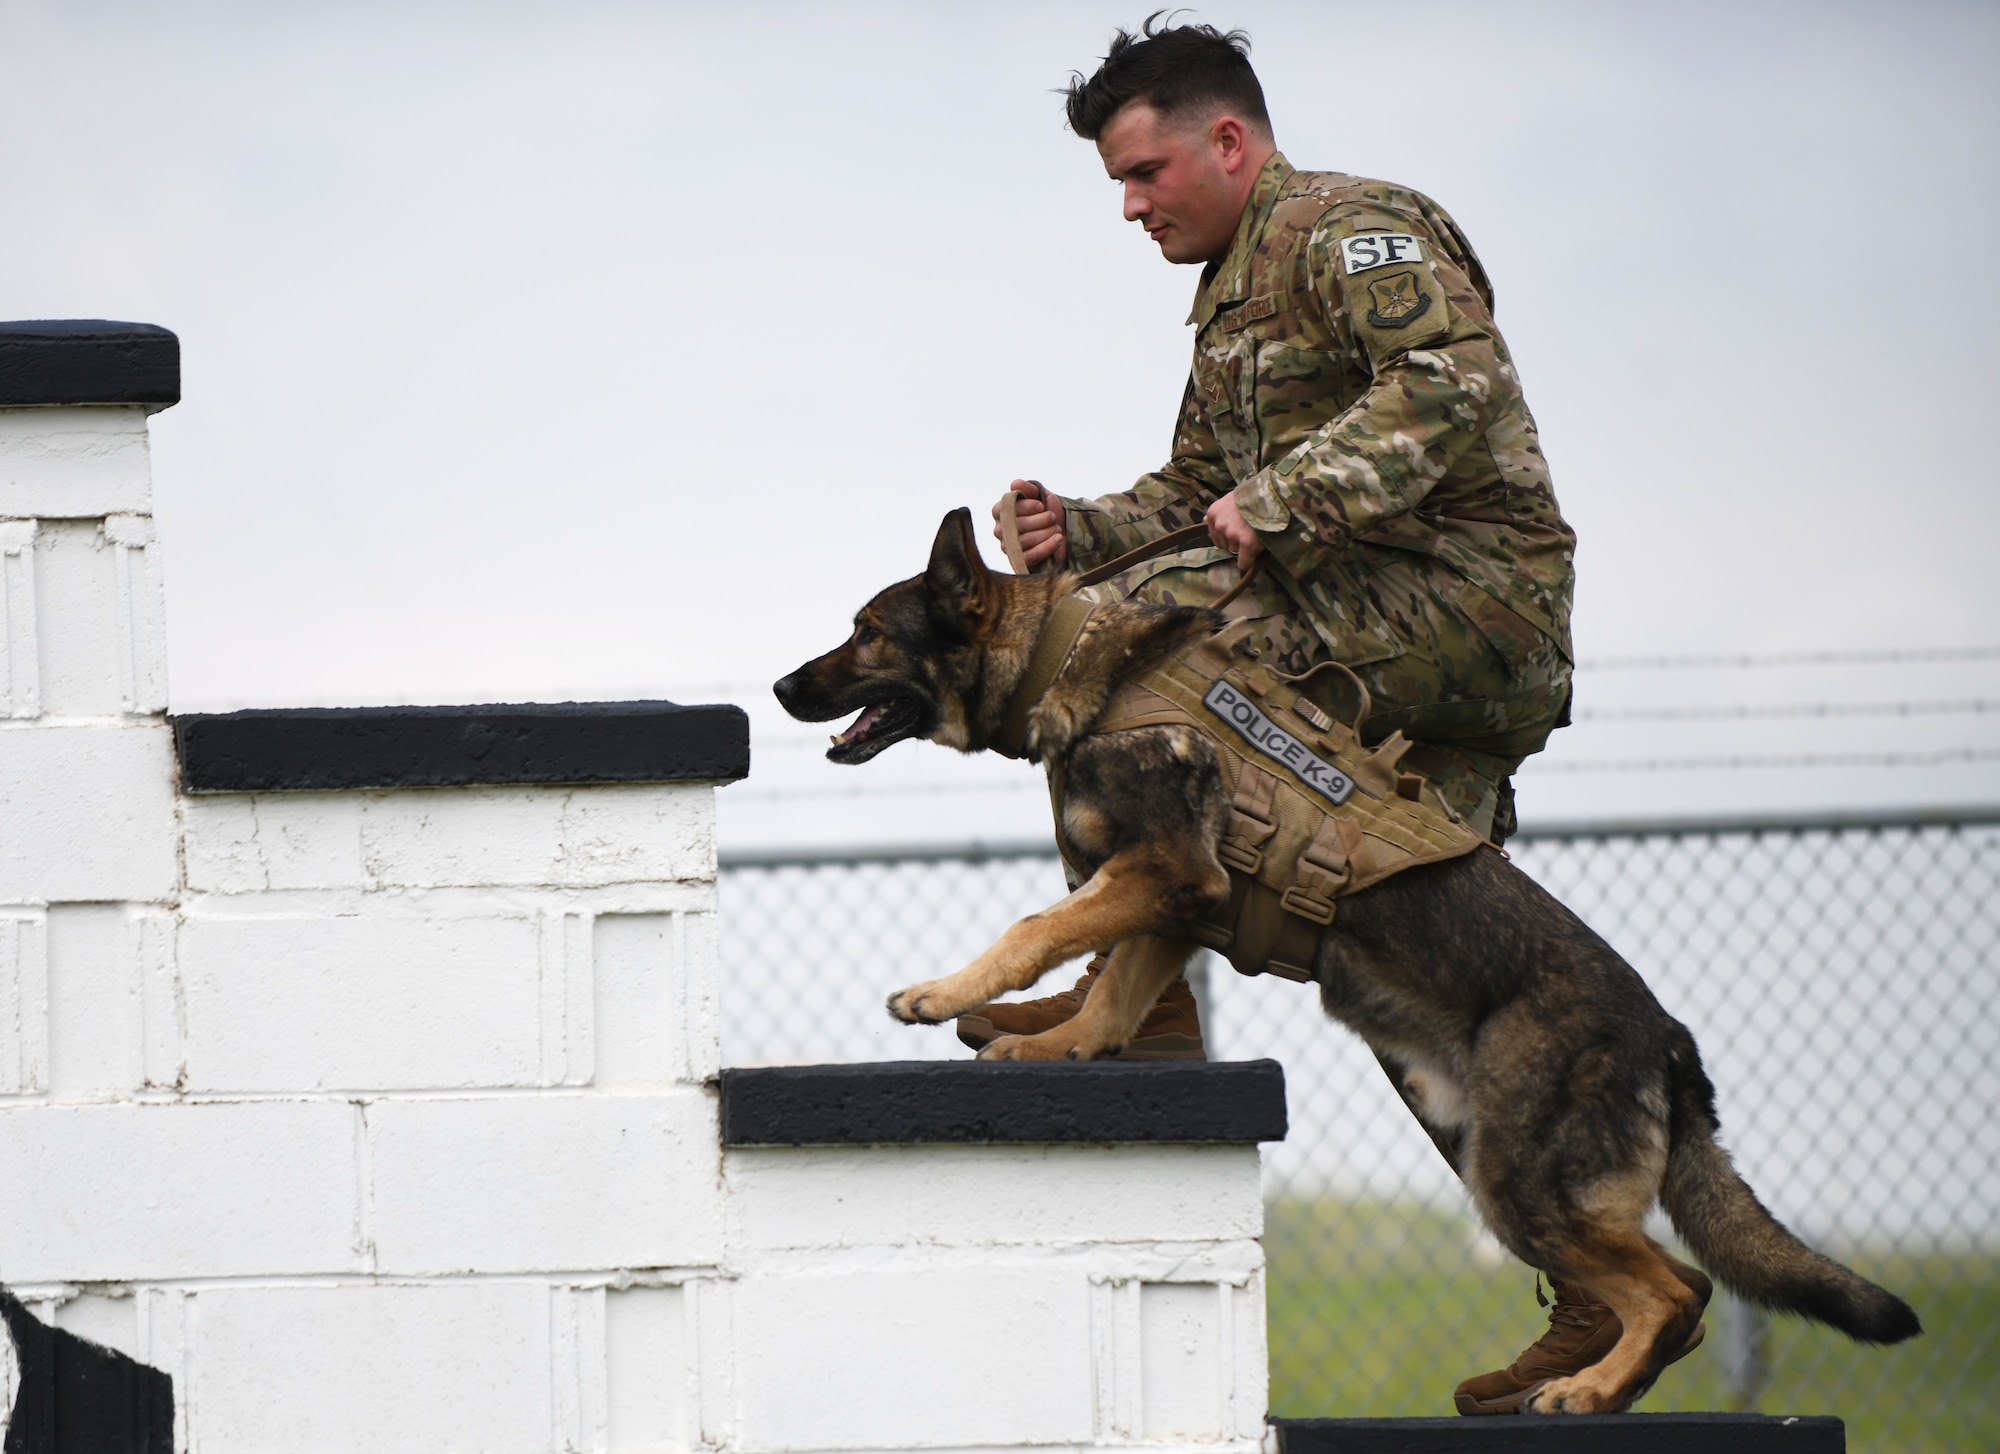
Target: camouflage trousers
x=1477 y=687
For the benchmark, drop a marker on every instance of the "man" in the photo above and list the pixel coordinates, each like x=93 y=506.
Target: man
x=1353 y=421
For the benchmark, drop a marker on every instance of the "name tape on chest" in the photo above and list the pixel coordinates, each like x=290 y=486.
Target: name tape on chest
x=1250 y=723
x=1367 y=250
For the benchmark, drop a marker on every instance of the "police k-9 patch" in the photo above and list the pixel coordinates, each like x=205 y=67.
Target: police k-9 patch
x=1367 y=250
x=1250 y=723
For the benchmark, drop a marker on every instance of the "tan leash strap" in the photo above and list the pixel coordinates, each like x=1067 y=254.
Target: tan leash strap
x=1173 y=540
x=1236 y=590
x=1010 y=528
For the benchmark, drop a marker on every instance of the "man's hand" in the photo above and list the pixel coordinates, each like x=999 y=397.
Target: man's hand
x=1039 y=516
x=1230 y=532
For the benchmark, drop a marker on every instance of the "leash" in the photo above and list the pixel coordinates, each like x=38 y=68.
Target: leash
x=1173 y=540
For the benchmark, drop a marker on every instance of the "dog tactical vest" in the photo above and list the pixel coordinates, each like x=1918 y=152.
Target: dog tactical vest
x=1313 y=814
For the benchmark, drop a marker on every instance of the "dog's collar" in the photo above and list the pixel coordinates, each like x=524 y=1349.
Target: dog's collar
x=1051 y=649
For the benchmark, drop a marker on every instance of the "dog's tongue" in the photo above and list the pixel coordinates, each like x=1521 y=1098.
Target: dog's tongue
x=859 y=727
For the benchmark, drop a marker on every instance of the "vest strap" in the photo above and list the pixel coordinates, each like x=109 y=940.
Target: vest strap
x=1052 y=647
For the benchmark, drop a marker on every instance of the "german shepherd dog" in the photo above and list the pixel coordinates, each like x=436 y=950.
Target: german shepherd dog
x=1566 y=1097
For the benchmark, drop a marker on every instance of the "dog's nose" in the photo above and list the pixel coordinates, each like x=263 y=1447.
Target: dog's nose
x=785 y=688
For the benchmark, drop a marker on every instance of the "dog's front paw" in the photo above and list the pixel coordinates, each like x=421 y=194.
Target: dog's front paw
x=1571 y=1395
x=920 y=1004
x=1045 y=1046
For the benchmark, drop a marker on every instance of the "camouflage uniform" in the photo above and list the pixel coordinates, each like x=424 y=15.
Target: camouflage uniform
x=1350 y=387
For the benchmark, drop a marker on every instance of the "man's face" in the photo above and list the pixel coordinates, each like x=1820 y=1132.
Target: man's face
x=1185 y=184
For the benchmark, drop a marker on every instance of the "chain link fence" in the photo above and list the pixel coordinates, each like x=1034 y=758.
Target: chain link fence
x=1841 y=976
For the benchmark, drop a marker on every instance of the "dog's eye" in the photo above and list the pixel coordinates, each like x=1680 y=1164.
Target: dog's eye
x=864 y=633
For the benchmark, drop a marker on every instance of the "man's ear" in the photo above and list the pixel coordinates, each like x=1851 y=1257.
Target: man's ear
x=956 y=576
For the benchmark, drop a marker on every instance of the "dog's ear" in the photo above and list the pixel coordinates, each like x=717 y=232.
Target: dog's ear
x=956 y=577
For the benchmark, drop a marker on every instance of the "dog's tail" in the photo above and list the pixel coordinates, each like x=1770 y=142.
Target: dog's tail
x=1740 y=1242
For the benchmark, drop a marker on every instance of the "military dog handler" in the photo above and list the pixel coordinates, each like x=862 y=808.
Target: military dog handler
x=1354 y=429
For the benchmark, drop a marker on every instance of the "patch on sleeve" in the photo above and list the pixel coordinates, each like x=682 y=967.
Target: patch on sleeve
x=1398 y=300
x=1394 y=299
x=1367 y=250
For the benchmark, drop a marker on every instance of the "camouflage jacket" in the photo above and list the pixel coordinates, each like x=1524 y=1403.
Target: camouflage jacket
x=1350 y=386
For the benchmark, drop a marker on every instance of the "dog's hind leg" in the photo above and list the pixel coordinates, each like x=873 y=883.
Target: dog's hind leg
x=1657 y=1308
x=1133 y=977
x=1134 y=892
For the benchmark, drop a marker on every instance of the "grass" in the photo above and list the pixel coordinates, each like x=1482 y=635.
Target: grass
x=1380 y=1308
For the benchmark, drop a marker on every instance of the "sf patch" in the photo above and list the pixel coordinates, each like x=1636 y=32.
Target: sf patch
x=1397 y=301
x=1394 y=299
x=1365 y=250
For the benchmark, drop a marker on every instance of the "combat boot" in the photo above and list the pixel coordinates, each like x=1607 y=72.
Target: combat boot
x=1581 y=1331
x=1170 y=1031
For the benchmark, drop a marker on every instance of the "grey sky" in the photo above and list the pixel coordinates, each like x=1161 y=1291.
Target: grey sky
x=597 y=350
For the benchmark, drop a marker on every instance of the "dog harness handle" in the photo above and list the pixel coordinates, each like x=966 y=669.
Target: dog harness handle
x=1010 y=528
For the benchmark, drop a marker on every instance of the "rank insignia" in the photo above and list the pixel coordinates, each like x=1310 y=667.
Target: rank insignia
x=1395 y=301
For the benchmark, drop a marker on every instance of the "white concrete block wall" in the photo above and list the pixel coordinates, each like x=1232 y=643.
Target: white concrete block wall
x=945 y=1297
x=386 y=1120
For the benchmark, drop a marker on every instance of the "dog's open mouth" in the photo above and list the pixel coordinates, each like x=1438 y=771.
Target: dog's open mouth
x=875 y=729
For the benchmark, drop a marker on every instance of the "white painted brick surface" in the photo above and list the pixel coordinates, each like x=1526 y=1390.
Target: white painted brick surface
x=386 y=1369
x=24 y=1002
x=782 y=1199
x=74 y=462
x=99 y=618
x=362 y=1002
x=656 y=1015
x=20 y=644
x=387 y=1128
x=109 y=1322
x=515 y=837
x=95 y=1002
x=148 y=1191
x=650 y=1382
x=548 y=1182
x=946 y=1356
x=90 y=813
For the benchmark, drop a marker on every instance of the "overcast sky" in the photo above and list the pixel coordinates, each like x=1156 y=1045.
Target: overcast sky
x=591 y=351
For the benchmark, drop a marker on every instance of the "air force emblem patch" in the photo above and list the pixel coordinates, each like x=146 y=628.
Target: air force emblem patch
x=1396 y=301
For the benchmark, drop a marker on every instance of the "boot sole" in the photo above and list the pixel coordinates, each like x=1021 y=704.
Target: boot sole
x=976 y=1032
x=1511 y=1403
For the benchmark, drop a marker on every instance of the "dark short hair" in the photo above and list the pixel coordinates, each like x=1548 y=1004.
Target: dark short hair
x=1178 y=70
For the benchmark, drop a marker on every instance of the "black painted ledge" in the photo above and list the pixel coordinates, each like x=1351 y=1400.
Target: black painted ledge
x=1555 y=1434
x=970 y=1102
x=303 y=749
x=52 y=361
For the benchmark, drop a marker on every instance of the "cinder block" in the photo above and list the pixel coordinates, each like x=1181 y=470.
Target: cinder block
x=127 y=1192
x=388 y=1369
x=20 y=645
x=375 y=1001
x=90 y=813
x=654 y=981
x=808 y=1197
x=99 y=618
x=648 y=1374
x=96 y=1002
x=109 y=1322
x=516 y=837
x=557 y=1181
x=914 y=1359
x=24 y=1003
x=75 y=462
x=1184 y=1358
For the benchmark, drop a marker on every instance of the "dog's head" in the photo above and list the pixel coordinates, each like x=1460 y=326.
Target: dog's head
x=914 y=650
